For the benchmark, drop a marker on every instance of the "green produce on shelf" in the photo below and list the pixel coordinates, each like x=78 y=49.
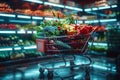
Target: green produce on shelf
x=4 y=56
x=14 y=40
x=29 y=27
x=98 y=48
x=32 y=54
x=26 y=42
x=17 y=55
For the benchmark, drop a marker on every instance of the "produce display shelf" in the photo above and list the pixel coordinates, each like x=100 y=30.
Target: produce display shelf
x=17 y=32
x=17 y=48
x=101 y=20
x=14 y=15
x=18 y=18
x=100 y=8
x=55 y=5
x=34 y=18
x=35 y=1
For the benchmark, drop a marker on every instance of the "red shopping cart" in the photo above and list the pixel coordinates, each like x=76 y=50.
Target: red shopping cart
x=68 y=44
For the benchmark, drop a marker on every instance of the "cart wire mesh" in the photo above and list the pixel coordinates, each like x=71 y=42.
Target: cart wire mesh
x=68 y=44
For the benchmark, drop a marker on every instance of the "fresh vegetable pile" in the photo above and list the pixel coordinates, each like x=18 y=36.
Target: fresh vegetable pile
x=62 y=27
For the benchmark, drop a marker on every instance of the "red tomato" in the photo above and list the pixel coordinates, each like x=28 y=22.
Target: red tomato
x=76 y=26
x=59 y=28
x=84 y=30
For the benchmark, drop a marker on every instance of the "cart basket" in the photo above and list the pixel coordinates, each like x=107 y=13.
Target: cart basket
x=68 y=44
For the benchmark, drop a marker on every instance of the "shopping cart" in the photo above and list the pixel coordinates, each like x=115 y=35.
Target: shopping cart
x=69 y=44
x=66 y=45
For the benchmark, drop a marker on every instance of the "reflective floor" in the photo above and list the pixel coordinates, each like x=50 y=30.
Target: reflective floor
x=100 y=69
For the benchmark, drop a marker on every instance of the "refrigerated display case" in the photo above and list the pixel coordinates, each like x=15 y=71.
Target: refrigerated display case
x=106 y=18
x=21 y=43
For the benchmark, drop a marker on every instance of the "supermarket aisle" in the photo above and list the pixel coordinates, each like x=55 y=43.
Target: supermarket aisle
x=99 y=71
x=78 y=74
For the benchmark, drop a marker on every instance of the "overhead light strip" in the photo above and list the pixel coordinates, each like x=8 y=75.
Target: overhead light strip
x=5 y=49
x=21 y=32
x=34 y=32
x=95 y=43
x=92 y=21
x=7 y=32
x=7 y=15
x=29 y=32
x=108 y=20
x=52 y=4
x=39 y=18
x=94 y=9
x=17 y=48
x=105 y=7
x=104 y=20
x=114 y=6
x=89 y=9
x=35 y=1
x=19 y=21
x=49 y=18
x=46 y=18
x=30 y=47
x=73 y=8
x=79 y=22
x=89 y=21
x=96 y=21
x=100 y=8
x=23 y=16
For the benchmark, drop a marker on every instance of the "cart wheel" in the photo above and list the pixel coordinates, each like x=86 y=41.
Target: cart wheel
x=41 y=76
x=72 y=64
x=87 y=71
x=50 y=74
x=87 y=68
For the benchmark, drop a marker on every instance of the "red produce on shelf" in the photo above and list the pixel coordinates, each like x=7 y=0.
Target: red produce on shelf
x=26 y=5
x=38 y=13
x=28 y=12
x=99 y=28
x=40 y=7
x=5 y=8
x=3 y=26
x=12 y=26
x=19 y=11
x=8 y=26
